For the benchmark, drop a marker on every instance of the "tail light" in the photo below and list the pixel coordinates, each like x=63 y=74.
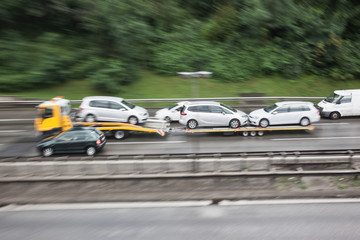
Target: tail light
x=318 y=112
x=98 y=142
x=182 y=113
x=81 y=109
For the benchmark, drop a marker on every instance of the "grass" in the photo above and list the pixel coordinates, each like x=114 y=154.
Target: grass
x=151 y=85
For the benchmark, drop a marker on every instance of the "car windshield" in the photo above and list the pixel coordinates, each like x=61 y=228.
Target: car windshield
x=129 y=105
x=332 y=98
x=270 y=108
x=227 y=107
x=174 y=106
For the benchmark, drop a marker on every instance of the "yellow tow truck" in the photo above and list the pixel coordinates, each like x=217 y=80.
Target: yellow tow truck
x=54 y=116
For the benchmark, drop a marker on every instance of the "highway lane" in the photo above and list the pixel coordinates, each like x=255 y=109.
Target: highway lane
x=18 y=139
x=299 y=219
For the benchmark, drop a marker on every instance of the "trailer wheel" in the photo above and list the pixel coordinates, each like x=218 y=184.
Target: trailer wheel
x=47 y=152
x=260 y=133
x=335 y=115
x=234 y=123
x=304 y=121
x=253 y=133
x=120 y=134
x=264 y=123
x=245 y=133
x=192 y=124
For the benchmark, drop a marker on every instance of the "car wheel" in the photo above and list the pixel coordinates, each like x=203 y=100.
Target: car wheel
x=90 y=118
x=192 y=124
x=335 y=115
x=90 y=151
x=47 y=152
x=167 y=119
x=304 y=121
x=120 y=134
x=133 y=120
x=264 y=123
x=234 y=123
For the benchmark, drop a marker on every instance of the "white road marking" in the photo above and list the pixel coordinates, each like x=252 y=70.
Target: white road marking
x=11 y=131
x=289 y=201
x=328 y=124
x=320 y=138
x=13 y=120
x=204 y=203
x=78 y=206
x=128 y=143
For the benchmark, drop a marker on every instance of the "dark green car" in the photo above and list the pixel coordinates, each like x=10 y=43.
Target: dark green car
x=75 y=140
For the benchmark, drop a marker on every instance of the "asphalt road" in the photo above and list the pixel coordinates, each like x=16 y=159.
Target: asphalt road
x=266 y=220
x=17 y=138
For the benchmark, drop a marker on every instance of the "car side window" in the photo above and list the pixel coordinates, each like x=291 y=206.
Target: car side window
x=79 y=137
x=193 y=109
x=99 y=104
x=282 y=109
x=305 y=108
x=216 y=109
x=115 y=105
x=346 y=99
x=295 y=108
x=203 y=108
x=66 y=137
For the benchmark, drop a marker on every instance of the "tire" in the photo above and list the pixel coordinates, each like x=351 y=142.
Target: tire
x=90 y=118
x=245 y=133
x=253 y=133
x=305 y=122
x=260 y=133
x=47 y=152
x=167 y=119
x=234 y=123
x=264 y=123
x=90 y=151
x=192 y=124
x=335 y=115
x=120 y=134
x=133 y=120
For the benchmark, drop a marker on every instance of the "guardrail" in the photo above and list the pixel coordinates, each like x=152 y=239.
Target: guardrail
x=217 y=165
x=166 y=100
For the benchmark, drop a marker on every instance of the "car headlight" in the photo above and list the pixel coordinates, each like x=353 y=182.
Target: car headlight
x=244 y=116
x=144 y=114
x=255 y=117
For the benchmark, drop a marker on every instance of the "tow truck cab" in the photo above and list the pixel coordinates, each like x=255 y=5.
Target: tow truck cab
x=53 y=116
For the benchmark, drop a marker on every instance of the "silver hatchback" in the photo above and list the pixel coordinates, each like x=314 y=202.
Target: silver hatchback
x=211 y=114
x=113 y=109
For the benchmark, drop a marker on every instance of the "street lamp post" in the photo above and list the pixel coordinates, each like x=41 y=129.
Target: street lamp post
x=195 y=80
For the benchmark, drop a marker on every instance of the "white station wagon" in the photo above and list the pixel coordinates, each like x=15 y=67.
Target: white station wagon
x=282 y=113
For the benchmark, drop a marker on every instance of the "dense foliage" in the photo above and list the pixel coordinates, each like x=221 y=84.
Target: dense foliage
x=45 y=42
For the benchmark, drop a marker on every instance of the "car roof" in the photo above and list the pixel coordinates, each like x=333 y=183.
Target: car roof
x=81 y=129
x=347 y=92
x=103 y=98
x=56 y=101
x=202 y=103
x=293 y=102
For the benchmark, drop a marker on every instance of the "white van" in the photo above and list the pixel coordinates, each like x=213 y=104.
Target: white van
x=341 y=103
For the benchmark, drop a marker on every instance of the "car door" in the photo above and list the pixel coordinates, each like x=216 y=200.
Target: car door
x=117 y=112
x=101 y=108
x=296 y=112
x=63 y=142
x=79 y=142
x=279 y=115
x=345 y=106
x=220 y=116
x=204 y=116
